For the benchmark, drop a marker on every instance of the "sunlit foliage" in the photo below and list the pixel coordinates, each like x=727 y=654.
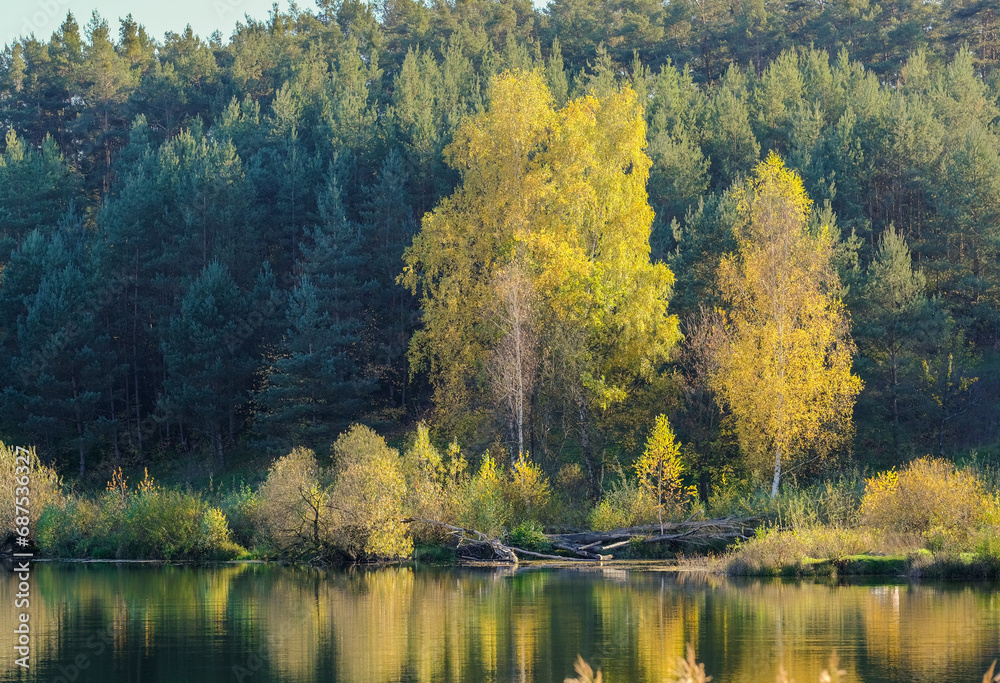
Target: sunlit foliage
x=785 y=369
x=560 y=195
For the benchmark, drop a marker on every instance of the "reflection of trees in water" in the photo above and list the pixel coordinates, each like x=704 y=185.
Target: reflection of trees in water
x=396 y=623
x=907 y=631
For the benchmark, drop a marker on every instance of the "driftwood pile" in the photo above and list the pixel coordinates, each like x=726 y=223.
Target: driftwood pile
x=472 y=544
x=702 y=533
x=594 y=545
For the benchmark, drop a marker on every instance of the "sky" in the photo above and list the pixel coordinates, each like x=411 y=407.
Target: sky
x=43 y=17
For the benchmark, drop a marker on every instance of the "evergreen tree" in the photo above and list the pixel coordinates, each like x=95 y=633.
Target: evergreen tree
x=61 y=364
x=730 y=141
x=388 y=228
x=317 y=387
x=106 y=80
x=208 y=370
x=37 y=189
x=894 y=324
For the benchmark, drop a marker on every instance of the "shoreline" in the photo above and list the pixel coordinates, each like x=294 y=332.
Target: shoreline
x=887 y=567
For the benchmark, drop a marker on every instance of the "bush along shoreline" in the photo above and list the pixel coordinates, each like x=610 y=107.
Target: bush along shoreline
x=364 y=502
x=928 y=519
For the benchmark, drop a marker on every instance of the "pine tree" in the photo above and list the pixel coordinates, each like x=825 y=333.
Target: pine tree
x=388 y=228
x=893 y=326
x=106 y=80
x=729 y=139
x=61 y=364
x=37 y=189
x=208 y=370
x=316 y=387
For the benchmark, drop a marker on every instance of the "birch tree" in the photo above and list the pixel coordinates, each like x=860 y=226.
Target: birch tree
x=785 y=369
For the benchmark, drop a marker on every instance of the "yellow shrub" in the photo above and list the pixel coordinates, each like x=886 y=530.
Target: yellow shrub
x=369 y=496
x=528 y=491
x=624 y=505
x=433 y=481
x=42 y=490
x=354 y=507
x=929 y=496
x=295 y=506
x=483 y=506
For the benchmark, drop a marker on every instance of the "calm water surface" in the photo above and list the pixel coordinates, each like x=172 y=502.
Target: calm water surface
x=133 y=622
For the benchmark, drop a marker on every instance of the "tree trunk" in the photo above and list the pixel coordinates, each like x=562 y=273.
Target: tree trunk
x=777 y=472
x=220 y=456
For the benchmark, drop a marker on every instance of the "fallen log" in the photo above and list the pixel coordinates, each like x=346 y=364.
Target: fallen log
x=478 y=546
x=581 y=552
x=735 y=526
x=543 y=556
x=694 y=533
x=592 y=545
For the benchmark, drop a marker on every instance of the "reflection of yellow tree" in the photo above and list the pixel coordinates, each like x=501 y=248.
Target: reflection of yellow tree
x=295 y=617
x=440 y=629
x=948 y=634
x=371 y=624
x=652 y=618
x=385 y=624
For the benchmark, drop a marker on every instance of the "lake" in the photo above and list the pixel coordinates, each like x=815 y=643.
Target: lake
x=117 y=622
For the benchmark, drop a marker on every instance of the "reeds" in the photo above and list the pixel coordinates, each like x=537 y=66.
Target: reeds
x=688 y=670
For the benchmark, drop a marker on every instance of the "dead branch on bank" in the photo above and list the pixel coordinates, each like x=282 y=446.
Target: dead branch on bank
x=591 y=545
x=472 y=544
x=701 y=533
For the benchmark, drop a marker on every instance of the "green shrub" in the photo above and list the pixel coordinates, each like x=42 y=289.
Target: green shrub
x=986 y=546
x=65 y=531
x=215 y=540
x=624 y=505
x=241 y=507
x=150 y=522
x=160 y=524
x=529 y=535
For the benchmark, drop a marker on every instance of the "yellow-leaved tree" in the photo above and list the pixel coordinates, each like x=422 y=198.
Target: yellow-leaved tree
x=784 y=370
x=540 y=261
x=659 y=468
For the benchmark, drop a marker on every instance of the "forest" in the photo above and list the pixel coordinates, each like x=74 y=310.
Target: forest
x=713 y=244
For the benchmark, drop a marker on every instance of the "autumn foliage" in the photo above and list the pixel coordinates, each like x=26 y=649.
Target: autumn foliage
x=930 y=496
x=785 y=368
x=557 y=198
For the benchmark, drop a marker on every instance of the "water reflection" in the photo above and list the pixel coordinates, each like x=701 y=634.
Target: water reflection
x=135 y=622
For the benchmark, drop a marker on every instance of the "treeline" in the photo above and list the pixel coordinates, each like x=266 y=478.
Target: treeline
x=203 y=240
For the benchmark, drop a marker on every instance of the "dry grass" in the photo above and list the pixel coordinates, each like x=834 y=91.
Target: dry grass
x=688 y=670
x=775 y=550
x=584 y=674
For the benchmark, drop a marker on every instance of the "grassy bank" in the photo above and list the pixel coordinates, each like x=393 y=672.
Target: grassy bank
x=929 y=519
